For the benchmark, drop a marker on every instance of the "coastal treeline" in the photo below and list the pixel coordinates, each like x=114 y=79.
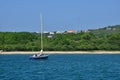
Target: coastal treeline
x=91 y=40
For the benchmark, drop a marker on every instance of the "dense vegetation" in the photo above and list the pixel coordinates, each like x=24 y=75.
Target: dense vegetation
x=107 y=38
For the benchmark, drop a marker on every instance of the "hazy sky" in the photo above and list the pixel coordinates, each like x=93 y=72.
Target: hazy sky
x=58 y=15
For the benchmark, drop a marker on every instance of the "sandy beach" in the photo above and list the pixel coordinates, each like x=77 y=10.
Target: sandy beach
x=62 y=52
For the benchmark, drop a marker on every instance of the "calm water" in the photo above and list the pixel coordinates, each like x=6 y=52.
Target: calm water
x=61 y=67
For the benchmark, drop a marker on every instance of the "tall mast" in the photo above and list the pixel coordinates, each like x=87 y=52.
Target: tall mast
x=41 y=31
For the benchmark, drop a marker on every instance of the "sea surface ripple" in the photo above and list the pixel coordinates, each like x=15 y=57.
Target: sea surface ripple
x=61 y=67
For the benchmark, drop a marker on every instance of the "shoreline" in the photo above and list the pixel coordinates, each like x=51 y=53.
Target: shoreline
x=61 y=52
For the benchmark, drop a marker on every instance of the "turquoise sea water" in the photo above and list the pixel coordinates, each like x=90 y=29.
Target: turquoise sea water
x=61 y=67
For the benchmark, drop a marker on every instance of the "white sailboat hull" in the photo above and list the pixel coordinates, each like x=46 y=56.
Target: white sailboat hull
x=42 y=56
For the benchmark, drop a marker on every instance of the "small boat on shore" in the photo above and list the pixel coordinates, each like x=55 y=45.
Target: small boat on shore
x=40 y=55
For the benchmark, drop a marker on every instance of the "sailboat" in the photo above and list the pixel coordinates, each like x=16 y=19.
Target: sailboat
x=40 y=55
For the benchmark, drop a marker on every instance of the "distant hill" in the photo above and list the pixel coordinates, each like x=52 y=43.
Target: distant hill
x=107 y=38
x=106 y=30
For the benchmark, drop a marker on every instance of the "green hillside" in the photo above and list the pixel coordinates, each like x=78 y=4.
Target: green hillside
x=106 y=30
x=107 y=38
